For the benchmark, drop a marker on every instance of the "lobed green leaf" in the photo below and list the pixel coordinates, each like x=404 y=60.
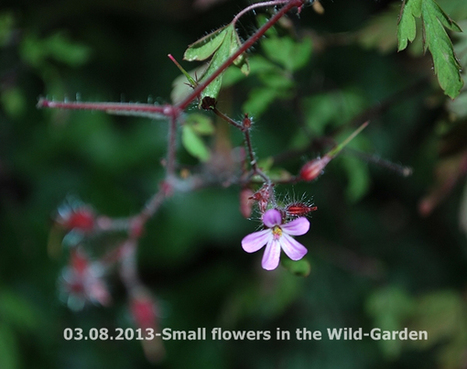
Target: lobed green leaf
x=436 y=39
x=219 y=45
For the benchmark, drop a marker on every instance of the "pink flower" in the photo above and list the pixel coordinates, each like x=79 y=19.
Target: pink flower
x=277 y=237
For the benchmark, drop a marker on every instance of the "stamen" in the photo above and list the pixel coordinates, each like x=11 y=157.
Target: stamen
x=277 y=232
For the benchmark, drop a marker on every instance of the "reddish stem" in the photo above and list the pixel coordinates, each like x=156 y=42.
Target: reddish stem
x=107 y=107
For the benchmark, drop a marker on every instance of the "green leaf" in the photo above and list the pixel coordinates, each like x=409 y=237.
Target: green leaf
x=17 y=311
x=436 y=39
x=378 y=32
x=194 y=144
x=218 y=46
x=205 y=47
x=13 y=101
x=292 y=55
x=259 y=99
x=56 y=46
x=300 y=268
x=7 y=22
x=407 y=29
x=390 y=308
x=201 y=124
x=9 y=353
x=440 y=314
x=358 y=178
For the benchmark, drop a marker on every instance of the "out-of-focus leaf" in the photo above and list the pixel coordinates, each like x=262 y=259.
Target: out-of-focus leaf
x=463 y=211
x=259 y=99
x=390 y=309
x=358 y=177
x=301 y=268
x=7 y=21
x=9 y=355
x=447 y=173
x=434 y=21
x=200 y=123
x=194 y=144
x=16 y=311
x=56 y=46
x=292 y=55
x=13 y=101
x=253 y=300
x=334 y=108
x=379 y=32
x=441 y=314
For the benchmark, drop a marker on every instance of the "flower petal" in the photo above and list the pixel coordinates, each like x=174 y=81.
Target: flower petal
x=271 y=255
x=272 y=217
x=254 y=241
x=293 y=249
x=296 y=227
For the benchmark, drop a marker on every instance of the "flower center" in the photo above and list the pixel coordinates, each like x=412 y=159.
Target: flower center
x=276 y=232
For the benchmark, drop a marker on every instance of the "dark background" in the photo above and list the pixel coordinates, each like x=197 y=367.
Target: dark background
x=375 y=260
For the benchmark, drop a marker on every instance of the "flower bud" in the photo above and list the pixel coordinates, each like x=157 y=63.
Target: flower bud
x=299 y=209
x=262 y=197
x=246 y=202
x=81 y=219
x=314 y=168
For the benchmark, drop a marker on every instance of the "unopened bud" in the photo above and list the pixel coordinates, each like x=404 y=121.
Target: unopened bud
x=262 y=197
x=246 y=202
x=314 y=168
x=145 y=313
x=81 y=219
x=246 y=122
x=299 y=209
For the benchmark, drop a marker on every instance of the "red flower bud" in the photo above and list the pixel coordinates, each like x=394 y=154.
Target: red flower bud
x=144 y=311
x=246 y=122
x=314 y=168
x=81 y=219
x=298 y=209
x=246 y=202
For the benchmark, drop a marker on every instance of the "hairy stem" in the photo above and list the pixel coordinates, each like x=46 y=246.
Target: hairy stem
x=112 y=108
x=257 y=5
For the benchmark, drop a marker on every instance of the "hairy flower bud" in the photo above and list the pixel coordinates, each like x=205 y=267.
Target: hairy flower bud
x=314 y=168
x=246 y=202
x=299 y=209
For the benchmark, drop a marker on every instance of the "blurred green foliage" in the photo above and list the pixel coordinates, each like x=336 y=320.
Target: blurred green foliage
x=374 y=260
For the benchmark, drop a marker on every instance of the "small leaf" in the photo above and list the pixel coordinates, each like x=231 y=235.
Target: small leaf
x=205 y=47
x=219 y=45
x=194 y=144
x=407 y=29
